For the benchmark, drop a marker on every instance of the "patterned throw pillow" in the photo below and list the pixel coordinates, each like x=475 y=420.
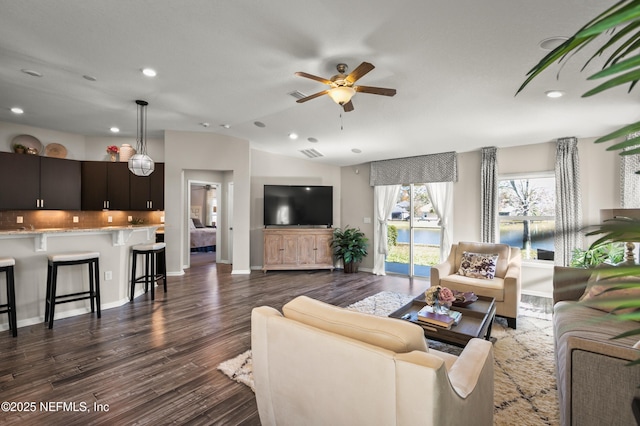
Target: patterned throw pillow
x=478 y=265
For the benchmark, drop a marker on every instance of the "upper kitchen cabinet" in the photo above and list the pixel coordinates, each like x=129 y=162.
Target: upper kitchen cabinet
x=147 y=192
x=31 y=182
x=105 y=185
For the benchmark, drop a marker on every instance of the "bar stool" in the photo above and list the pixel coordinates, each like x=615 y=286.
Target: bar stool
x=155 y=267
x=67 y=259
x=6 y=266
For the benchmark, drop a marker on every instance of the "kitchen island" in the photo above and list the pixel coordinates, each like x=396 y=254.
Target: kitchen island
x=30 y=248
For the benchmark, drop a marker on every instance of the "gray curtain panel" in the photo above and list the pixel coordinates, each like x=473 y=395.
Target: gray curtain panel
x=629 y=180
x=568 y=234
x=488 y=194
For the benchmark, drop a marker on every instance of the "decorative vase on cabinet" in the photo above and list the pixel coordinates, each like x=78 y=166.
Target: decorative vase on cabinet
x=126 y=152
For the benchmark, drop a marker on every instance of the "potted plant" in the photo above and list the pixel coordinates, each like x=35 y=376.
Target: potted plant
x=350 y=245
x=608 y=252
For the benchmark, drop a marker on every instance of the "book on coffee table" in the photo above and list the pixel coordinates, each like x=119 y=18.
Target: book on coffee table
x=427 y=315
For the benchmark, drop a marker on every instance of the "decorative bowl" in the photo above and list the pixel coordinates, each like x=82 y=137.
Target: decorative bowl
x=464 y=298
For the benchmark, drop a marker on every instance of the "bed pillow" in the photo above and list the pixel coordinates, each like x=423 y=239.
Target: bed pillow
x=197 y=223
x=478 y=265
x=191 y=224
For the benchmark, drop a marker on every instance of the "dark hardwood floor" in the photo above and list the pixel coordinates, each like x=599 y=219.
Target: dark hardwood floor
x=155 y=362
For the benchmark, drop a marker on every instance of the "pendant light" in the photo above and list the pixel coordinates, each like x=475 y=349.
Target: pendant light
x=141 y=164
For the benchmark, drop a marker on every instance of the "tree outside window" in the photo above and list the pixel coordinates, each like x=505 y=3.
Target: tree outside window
x=527 y=214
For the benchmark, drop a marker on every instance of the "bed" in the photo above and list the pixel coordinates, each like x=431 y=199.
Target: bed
x=202 y=238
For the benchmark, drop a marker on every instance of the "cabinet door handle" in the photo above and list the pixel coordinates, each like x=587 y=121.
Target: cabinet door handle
x=150 y=204
x=42 y=203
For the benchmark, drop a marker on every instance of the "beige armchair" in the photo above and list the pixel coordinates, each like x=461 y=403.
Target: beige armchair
x=318 y=364
x=504 y=287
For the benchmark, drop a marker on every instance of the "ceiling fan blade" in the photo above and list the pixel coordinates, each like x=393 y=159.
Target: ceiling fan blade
x=315 y=95
x=359 y=72
x=313 y=77
x=375 y=90
x=348 y=106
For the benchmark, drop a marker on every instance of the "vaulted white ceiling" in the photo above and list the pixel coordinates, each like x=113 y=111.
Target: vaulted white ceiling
x=456 y=66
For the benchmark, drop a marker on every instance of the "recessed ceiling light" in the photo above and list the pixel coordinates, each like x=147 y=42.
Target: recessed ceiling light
x=356 y=151
x=89 y=77
x=205 y=124
x=293 y=136
x=312 y=140
x=226 y=126
x=149 y=72
x=17 y=110
x=554 y=93
x=31 y=73
x=552 y=42
x=114 y=130
x=259 y=124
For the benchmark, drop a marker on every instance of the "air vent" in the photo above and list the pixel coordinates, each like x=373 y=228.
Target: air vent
x=311 y=153
x=297 y=94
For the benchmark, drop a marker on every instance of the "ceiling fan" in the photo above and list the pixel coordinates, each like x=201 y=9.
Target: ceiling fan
x=342 y=86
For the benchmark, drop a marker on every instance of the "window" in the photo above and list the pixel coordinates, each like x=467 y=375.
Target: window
x=526 y=214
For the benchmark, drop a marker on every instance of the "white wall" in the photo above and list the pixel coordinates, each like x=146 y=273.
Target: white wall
x=357 y=204
x=96 y=147
x=273 y=169
x=75 y=144
x=205 y=151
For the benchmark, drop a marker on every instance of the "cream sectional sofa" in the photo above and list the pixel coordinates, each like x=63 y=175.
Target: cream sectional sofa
x=595 y=385
x=317 y=364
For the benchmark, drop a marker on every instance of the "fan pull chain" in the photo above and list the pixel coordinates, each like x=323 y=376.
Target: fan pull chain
x=341 y=123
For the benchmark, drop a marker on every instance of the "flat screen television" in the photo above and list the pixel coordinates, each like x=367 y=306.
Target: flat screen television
x=304 y=205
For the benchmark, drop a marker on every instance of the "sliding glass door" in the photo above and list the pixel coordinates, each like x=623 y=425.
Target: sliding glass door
x=414 y=233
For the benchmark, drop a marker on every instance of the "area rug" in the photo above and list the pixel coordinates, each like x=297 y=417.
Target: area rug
x=524 y=378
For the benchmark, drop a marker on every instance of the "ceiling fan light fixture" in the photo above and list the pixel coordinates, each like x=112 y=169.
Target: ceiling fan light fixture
x=342 y=94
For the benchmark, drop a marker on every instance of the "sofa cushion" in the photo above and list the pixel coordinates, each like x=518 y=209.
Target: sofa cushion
x=478 y=265
x=572 y=318
x=502 y=250
x=392 y=334
x=597 y=296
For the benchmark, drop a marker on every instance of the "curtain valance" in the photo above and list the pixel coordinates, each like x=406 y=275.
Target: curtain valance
x=422 y=169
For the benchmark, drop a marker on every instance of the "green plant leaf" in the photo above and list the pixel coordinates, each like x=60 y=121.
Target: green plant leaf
x=616 y=81
x=624 y=131
x=629 y=143
x=627 y=64
x=612 y=18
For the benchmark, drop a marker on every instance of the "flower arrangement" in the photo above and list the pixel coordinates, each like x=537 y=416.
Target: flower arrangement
x=112 y=149
x=438 y=295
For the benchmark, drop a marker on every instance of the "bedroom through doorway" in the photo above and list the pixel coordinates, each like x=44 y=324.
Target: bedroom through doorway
x=203 y=221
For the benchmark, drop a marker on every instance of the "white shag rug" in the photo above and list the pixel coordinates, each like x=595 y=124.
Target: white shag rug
x=524 y=370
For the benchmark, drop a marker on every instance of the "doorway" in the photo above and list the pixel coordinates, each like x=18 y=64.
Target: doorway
x=203 y=221
x=414 y=233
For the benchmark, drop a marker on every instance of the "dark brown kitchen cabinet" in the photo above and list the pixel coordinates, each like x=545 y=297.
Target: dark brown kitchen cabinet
x=105 y=185
x=147 y=192
x=31 y=182
x=60 y=184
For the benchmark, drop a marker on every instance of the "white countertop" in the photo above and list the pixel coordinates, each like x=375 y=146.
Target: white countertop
x=27 y=231
x=120 y=233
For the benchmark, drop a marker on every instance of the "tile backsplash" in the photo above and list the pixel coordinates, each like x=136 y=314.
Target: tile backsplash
x=64 y=219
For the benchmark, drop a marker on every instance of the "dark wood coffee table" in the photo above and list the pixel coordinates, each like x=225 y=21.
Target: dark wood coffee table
x=477 y=320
